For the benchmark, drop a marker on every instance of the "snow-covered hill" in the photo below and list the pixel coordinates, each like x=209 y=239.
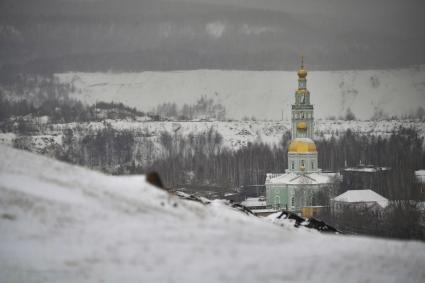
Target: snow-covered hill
x=235 y=134
x=263 y=94
x=61 y=223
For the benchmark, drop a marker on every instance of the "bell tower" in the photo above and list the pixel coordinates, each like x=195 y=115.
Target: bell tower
x=302 y=110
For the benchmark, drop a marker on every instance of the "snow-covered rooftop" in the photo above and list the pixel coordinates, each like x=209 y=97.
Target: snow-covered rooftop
x=420 y=175
x=305 y=178
x=62 y=223
x=370 y=169
x=254 y=202
x=362 y=196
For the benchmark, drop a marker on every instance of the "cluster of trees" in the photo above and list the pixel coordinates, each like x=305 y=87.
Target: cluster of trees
x=44 y=95
x=33 y=89
x=34 y=95
x=403 y=152
x=349 y=116
x=202 y=159
x=401 y=220
x=379 y=115
x=204 y=108
x=106 y=149
x=58 y=110
x=23 y=116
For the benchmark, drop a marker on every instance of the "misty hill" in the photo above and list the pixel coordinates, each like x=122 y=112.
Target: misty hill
x=263 y=94
x=65 y=223
x=137 y=35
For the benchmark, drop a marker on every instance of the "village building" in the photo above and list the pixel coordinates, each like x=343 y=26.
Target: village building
x=359 y=200
x=420 y=184
x=254 y=203
x=303 y=188
x=257 y=205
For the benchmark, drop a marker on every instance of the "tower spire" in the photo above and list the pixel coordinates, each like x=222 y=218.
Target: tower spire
x=302 y=73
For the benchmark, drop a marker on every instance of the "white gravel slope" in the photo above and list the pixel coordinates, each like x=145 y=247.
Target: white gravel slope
x=263 y=94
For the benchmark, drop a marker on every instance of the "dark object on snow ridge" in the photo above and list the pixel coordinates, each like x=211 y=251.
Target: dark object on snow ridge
x=311 y=223
x=241 y=207
x=290 y=215
x=154 y=179
x=186 y=196
x=320 y=226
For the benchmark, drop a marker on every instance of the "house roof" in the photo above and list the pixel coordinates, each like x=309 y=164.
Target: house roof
x=367 y=169
x=302 y=178
x=362 y=196
x=420 y=175
x=254 y=202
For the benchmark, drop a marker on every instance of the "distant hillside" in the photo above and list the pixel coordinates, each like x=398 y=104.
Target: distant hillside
x=46 y=138
x=135 y=35
x=263 y=94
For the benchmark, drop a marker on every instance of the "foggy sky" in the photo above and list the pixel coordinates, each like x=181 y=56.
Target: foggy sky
x=55 y=35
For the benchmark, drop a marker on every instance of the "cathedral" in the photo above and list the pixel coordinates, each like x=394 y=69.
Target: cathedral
x=303 y=188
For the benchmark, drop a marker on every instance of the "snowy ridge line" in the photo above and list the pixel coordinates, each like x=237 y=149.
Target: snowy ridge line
x=64 y=223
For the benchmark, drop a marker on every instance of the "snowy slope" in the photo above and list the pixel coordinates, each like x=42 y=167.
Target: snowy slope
x=263 y=94
x=61 y=223
x=236 y=134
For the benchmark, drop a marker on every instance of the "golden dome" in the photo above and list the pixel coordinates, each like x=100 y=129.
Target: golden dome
x=302 y=125
x=302 y=73
x=302 y=145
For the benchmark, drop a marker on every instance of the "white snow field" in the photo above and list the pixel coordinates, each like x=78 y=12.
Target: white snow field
x=62 y=223
x=263 y=94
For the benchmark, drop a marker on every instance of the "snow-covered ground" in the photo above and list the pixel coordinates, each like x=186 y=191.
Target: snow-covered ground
x=235 y=134
x=61 y=223
x=263 y=94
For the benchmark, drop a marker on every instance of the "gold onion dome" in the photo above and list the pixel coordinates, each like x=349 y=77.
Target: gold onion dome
x=302 y=73
x=302 y=145
x=302 y=125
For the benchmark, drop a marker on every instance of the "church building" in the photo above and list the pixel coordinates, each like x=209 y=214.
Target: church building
x=303 y=188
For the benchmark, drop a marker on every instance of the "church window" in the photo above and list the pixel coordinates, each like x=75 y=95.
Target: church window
x=293 y=165
x=302 y=163
x=293 y=201
x=277 y=201
x=312 y=164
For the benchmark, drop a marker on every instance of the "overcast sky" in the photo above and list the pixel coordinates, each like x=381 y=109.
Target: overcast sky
x=211 y=34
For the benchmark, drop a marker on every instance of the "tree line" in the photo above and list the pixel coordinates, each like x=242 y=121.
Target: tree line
x=203 y=160
x=204 y=108
x=402 y=219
